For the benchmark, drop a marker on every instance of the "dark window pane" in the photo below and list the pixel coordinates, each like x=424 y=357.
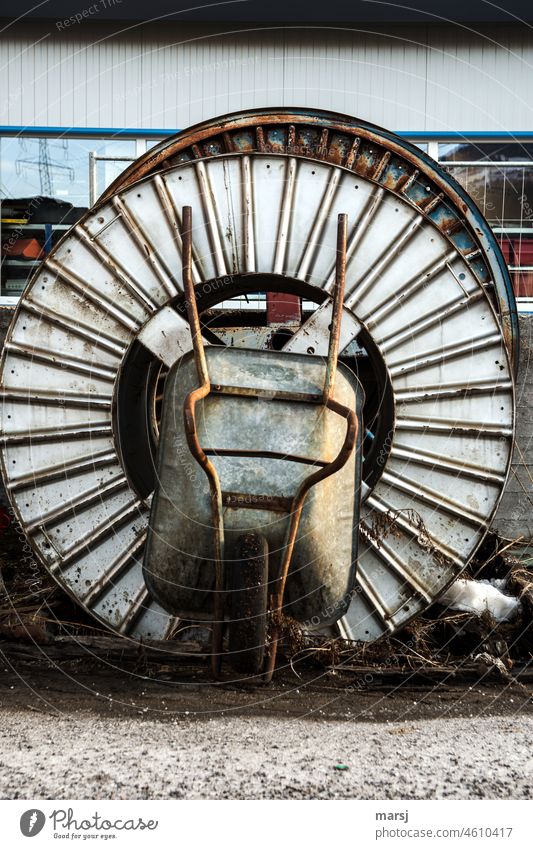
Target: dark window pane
x=494 y=151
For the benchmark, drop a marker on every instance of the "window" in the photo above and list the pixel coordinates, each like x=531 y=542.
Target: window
x=45 y=188
x=499 y=178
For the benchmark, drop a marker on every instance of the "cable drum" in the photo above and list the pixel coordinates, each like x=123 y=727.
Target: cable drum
x=428 y=301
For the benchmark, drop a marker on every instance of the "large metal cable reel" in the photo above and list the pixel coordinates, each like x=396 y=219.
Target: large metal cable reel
x=429 y=325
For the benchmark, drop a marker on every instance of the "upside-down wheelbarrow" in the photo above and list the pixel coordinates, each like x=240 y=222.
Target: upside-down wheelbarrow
x=256 y=511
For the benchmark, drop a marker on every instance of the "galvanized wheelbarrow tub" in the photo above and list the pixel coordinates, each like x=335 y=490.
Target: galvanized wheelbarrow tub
x=237 y=432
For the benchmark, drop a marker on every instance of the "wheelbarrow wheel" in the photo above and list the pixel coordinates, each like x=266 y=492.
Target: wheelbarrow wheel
x=249 y=599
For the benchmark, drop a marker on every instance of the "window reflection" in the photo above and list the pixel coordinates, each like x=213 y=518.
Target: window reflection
x=488 y=152
x=57 y=168
x=45 y=189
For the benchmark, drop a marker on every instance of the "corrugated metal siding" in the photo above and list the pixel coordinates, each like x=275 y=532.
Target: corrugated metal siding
x=406 y=79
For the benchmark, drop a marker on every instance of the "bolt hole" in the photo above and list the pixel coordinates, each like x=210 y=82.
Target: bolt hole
x=462 y=275
x=310 y=350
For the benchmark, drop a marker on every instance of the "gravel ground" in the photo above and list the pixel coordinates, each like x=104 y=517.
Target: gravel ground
x=89 y=756
x=88 y=729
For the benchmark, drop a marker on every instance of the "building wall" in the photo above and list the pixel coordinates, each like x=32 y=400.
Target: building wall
x=171 y=76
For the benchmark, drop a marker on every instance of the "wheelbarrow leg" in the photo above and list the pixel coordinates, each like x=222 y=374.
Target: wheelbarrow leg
x=216 y=645
x=248 y=604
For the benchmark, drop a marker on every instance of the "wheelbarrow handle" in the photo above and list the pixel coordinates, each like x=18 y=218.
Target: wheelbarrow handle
x=190 y=297
x=191 y=434
x=338 y=304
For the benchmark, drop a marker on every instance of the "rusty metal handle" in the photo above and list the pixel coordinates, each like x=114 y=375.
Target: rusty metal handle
x=189 y=406
x=338 y=304
x=190 y=297
x=191 y=434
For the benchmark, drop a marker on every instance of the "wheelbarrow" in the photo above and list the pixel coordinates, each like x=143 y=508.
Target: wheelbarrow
x=256 y=511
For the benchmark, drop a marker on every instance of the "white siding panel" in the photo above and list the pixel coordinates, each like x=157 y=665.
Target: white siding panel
x=12 y=91
x=480 y=82
x=171 y=76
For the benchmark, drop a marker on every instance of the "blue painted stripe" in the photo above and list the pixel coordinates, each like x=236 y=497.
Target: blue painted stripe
x=136 y=132
x=467 y=135
x=87 y=132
